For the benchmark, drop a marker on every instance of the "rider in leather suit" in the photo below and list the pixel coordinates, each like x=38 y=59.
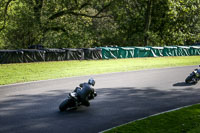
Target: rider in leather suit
x=85 y=91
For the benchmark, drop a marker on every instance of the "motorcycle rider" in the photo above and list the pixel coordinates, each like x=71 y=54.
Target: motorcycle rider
x=194 y=77
x=198 y=70
x=85 y=92
x=198 y=75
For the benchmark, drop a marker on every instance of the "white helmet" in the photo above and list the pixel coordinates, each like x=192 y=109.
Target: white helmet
x=91 y=81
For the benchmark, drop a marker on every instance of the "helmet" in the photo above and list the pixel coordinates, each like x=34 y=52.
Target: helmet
x=91 y=81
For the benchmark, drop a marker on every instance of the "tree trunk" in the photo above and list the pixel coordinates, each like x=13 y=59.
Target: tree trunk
x=147 y=21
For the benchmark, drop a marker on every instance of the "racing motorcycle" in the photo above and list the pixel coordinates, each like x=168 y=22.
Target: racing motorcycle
x=194 y=77
x=73 y=101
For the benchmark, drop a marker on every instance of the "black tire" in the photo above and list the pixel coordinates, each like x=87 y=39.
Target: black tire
x=189 y=80
x=64 y=105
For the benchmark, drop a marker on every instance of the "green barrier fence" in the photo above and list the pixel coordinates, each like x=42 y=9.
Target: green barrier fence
x=183 y=51
x=110 y=53
x=126 y=52
x=156 y=51
x=194 y=50
x=134 y=52
x=33 y=55
x=170 y=51
x=142 y=52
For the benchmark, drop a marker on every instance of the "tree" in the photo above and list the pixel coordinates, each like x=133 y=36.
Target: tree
x=183 y=16
x=38 y=21
x=90 y=23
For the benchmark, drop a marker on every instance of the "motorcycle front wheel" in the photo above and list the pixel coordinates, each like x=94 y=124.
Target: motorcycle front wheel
x=189 y=80
x=64 y=105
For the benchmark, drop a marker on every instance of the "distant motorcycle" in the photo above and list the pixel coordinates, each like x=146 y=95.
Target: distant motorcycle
x=194 y=77
x=73 y=101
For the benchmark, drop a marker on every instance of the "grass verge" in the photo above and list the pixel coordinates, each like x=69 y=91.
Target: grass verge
x=24 y=72
x=185 y=120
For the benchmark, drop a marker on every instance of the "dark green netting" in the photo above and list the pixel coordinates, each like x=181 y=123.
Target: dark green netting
x=183 y=51
x=126 y=52
x=110 y=53
x=34 y=55
x=194 y=50
x=170 y=51
x=156 y=51
x=142 y=52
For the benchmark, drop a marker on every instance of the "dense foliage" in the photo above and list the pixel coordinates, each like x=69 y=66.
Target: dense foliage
x=91 y=23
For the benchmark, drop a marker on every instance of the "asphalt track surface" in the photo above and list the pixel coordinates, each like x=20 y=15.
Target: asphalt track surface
x=122 y=97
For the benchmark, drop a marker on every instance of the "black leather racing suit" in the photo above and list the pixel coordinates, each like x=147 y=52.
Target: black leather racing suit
x=198 y=70
x=84 y=93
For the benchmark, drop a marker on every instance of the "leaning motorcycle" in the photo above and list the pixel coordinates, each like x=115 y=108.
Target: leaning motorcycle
x=72 y=101
x=194 y=77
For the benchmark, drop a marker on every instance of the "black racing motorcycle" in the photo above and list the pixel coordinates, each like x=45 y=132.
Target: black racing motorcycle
x=194 y=77
x=73 y=101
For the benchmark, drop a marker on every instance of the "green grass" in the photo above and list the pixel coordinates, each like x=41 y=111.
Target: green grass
x=24 y=72
x=185 y=120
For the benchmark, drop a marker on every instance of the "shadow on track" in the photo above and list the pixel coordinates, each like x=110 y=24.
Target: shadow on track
x=182 y=84
x=112 y=107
